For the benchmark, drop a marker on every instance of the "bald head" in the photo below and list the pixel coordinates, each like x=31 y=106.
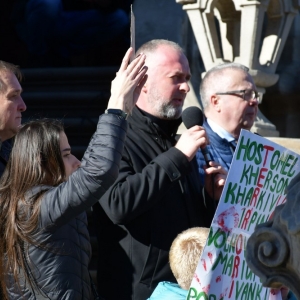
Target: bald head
x=216 y=79
x=151 y=46
x=168 y=73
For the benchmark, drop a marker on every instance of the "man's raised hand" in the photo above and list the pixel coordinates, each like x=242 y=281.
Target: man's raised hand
x=128 y=81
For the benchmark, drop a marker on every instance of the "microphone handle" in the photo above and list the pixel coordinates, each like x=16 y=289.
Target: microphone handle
x=207 y=156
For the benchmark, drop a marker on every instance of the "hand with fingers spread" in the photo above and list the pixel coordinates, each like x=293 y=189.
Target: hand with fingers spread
x=191 y=140
x=215 y=179
x=128 y=82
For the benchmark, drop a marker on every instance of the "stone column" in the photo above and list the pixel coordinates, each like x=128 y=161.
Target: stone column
x=249 y=32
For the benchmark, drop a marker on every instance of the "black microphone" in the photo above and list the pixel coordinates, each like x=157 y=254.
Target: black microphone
x=192 y=116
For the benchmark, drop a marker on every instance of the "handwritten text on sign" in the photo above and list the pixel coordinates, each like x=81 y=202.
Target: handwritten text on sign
x=259 y=174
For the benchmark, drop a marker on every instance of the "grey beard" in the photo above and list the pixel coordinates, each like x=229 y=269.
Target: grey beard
x=169 y=112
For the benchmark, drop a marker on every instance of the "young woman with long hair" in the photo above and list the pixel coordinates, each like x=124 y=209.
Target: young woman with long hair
x=45 y=191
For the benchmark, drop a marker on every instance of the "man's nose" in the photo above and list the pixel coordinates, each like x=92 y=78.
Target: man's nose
x=254 y=101
x=22 y=105
x=185 y=87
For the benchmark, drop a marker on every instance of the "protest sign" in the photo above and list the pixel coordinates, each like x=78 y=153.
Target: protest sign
x=256 y=183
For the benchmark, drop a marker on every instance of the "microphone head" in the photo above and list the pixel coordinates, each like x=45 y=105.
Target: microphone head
x=192 y=116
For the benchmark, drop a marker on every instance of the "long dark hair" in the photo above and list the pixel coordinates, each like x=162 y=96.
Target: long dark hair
x=35 y=160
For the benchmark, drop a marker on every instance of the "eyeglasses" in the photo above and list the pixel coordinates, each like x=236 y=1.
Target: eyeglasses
x=247 y=94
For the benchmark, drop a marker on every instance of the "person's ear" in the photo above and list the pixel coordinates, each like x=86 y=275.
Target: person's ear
x=145 y=88
x=215 y=102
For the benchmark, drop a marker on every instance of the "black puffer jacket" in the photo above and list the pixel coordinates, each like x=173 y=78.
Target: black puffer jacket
x=156 y=196
x=61 y=270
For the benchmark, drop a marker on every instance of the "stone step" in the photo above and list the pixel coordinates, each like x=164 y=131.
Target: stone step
x=71 y=76
x=77 y=96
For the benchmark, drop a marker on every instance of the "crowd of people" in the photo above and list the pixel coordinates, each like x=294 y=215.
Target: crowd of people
x=146 y=184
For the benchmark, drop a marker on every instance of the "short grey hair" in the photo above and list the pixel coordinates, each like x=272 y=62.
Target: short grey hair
x=5 y=66
x=151 y=46
x=212 y=75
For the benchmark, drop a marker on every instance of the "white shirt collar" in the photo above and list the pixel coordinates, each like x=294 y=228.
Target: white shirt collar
x=221 y=132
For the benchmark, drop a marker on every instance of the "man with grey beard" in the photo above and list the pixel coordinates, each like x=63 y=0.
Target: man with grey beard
x=157 y=194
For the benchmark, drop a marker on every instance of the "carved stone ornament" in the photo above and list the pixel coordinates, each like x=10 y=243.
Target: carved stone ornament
x=272 y=251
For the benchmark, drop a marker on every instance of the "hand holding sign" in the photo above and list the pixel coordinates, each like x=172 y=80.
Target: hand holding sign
x=215 y=179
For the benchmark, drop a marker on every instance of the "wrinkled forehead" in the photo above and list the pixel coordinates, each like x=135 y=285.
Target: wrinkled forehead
x=8 y=81
x=234 y=78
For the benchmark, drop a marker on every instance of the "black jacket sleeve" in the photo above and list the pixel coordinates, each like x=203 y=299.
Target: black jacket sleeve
x=99 y=170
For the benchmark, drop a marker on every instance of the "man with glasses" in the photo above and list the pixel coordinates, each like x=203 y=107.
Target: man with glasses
x=230 y=102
